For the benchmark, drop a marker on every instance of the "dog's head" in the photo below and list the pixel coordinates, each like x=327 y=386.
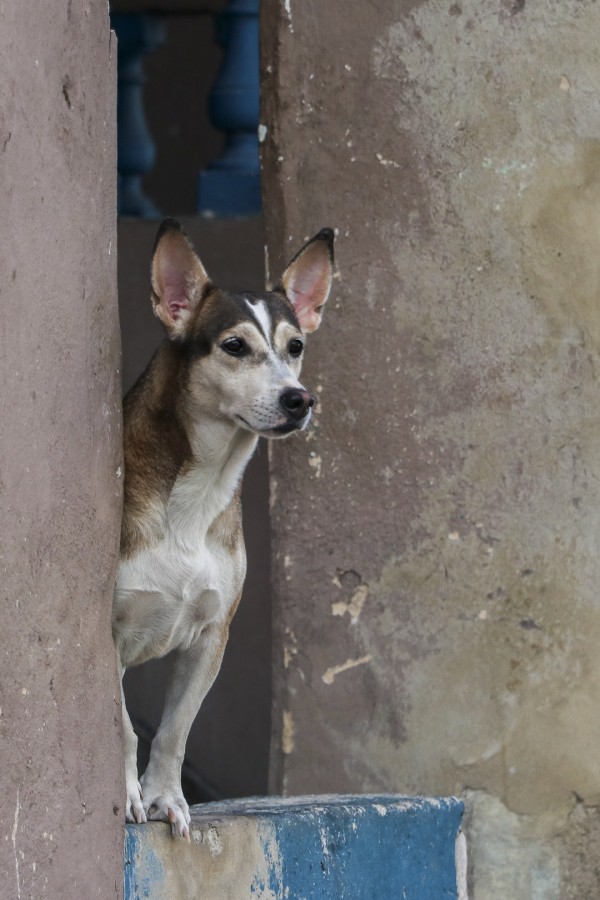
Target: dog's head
x=245 y=350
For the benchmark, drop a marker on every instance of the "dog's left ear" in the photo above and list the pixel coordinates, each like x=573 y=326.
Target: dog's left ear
x=307 y=279
x=179 y=280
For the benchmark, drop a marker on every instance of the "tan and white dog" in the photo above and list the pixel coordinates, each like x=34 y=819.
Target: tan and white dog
x=227 y=375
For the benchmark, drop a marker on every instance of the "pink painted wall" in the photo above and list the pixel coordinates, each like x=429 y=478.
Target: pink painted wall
x=60 y=451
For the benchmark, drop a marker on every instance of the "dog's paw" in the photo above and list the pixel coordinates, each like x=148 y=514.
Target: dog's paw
x=134 y=810
x=173 y=810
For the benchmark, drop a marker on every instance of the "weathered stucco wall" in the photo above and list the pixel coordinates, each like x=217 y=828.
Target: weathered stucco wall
x=436 y=535
x=61 y=817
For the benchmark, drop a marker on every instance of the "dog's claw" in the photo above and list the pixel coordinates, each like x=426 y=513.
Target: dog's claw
x=134 y=808
x=173 y=809
x=135 y=813
x=176 y=829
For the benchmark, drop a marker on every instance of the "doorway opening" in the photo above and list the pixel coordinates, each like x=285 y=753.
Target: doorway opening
x=176 y=52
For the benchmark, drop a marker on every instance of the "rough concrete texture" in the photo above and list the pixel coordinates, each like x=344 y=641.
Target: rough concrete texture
x=436 y=534
x=311 y=847
x=61 y=818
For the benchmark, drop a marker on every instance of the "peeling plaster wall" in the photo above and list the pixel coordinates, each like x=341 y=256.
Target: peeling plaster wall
x=62 y=816
x=436 y=534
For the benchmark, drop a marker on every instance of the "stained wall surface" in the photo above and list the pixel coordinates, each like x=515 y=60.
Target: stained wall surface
x=436 y=535
x=62 y=811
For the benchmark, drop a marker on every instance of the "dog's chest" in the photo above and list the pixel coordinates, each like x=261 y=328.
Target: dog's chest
x=168 y=592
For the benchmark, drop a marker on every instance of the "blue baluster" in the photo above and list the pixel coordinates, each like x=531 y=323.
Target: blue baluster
x=230 y=186
x=137 y=36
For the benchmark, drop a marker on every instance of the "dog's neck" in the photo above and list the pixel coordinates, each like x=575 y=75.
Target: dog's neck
x=207 y=485
x=220 y=447
x=210 y=476
x=216 y=441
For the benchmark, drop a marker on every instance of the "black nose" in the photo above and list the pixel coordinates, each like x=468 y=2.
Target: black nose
x=296 y=403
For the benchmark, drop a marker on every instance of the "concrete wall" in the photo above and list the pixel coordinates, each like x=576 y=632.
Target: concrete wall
x=436 y=562
x=61 y=817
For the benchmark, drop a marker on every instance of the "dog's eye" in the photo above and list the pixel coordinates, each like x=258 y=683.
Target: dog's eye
x=295 y=347
x=234 y=346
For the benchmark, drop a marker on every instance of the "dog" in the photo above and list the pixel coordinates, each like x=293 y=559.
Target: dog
x=227 y=374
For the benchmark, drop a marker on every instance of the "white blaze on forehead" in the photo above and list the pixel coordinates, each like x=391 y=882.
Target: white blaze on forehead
x=261 y=314
x=279 y=367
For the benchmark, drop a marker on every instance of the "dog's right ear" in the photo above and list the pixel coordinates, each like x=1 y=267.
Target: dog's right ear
x=307 y=280
x=179 y=280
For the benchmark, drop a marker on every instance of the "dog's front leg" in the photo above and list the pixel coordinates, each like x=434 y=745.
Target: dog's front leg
x=134 y=811
x=193 y=673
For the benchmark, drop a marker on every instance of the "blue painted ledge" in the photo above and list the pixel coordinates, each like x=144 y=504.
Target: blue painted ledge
x=305 y=848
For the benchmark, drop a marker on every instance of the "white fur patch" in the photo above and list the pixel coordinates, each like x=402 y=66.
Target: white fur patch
x=169 y=592
x=261 y=314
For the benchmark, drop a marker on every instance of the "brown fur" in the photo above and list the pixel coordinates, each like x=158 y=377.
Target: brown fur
x=156 y=446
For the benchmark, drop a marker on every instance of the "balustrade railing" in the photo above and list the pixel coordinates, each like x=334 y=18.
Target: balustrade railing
x=230 y=185
x=137 y=35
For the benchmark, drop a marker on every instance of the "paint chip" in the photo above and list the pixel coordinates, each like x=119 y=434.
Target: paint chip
x=387 y=162
x=354 y=606
x=315 y=461
x=460 y=862
x=290 y=649
x=214 y=841
x=329 y=676
x=287 y=737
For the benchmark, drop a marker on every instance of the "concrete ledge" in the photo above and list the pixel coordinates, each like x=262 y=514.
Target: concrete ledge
x=328 y=847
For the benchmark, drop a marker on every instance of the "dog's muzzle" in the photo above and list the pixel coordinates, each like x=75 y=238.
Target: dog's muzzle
x=296 y=403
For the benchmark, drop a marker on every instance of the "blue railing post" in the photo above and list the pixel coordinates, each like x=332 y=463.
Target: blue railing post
x=230 y=186
x=137 y=36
